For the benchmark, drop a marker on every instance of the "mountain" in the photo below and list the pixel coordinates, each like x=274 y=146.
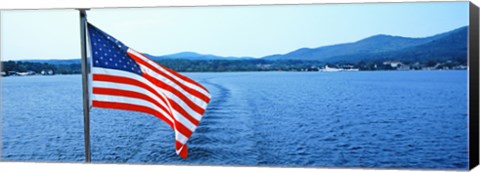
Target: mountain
x=194 y=56
x=450 y=44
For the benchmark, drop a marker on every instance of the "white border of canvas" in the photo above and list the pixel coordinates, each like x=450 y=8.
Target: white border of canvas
x=49 y=4
x=77 y=167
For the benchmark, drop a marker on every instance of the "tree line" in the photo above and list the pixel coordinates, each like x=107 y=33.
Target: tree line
x=21 y=66
x=234 y=65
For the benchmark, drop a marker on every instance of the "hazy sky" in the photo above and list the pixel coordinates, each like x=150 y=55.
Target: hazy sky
x=253 y=31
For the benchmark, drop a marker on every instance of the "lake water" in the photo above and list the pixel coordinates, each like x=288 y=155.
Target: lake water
x=391 y=119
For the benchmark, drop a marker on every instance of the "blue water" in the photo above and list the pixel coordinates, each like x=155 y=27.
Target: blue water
x=395 y=119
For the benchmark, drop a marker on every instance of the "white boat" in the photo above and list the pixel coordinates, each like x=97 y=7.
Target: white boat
x=330 y=69
x=22 y=73
x=351 y=70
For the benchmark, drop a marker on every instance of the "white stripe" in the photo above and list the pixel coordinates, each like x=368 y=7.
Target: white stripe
x=145 y=81
x=119 y=99
x=180 y=137
x=97 y=70
x=186 y=83
x=180 y=150
x=128 y=87
x=128 y=100
x=192 y=98
x=179 y=117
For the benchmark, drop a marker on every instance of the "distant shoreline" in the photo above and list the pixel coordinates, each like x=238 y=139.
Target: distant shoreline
x=261 y=72
x=34 y=68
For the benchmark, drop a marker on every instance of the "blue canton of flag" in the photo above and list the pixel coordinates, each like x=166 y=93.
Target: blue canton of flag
x=108 y=52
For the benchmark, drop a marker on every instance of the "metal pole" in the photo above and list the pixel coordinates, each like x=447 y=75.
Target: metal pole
x=86 y=109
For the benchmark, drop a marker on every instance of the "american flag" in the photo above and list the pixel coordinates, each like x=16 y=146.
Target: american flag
x=125 y=79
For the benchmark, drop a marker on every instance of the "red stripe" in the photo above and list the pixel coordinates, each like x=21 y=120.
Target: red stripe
x=188 y=89
x=184 y=113
x=184 y=87
x=117 y=79
x=132 y=94
x=130 y=107
x=184 y=78
x=169 y=88
x=191 y=91
x=178 y=145
x=184 y=152
x=125 y=80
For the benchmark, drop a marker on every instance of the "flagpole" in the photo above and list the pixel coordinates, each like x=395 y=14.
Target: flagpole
x=86 y=107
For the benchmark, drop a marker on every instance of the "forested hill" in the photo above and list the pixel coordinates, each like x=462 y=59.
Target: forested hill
x=449 y=45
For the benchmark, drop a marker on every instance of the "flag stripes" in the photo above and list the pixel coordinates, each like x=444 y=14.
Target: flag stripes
x=176 y=76
x=127 y=80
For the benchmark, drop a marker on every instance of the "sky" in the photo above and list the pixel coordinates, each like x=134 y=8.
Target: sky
x=251 y=31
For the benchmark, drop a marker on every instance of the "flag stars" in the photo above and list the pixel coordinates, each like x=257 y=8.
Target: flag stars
x=107 y=52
